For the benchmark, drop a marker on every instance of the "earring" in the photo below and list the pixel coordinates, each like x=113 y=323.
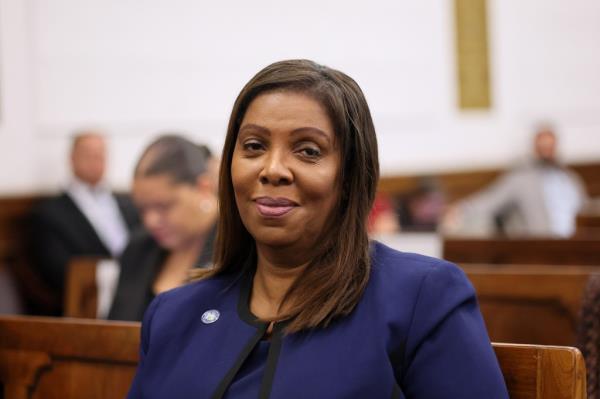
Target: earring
x=206 y=205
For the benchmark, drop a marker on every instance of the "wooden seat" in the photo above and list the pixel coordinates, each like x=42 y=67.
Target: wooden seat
x=68 y=358
x=531 y=304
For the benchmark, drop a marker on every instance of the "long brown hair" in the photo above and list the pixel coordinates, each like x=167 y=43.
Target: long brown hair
x=335 y=279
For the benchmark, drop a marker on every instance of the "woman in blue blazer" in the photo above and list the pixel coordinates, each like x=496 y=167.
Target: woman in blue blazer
x=299 y=303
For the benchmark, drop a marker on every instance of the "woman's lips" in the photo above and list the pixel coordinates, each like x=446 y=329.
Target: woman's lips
x=274 y=207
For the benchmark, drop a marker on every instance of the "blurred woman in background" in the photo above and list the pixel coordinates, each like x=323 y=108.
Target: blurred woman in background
x=174 y=188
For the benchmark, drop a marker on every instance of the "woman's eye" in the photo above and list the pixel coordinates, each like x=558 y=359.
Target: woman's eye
x=164 y=207
x=253 y=146
x=310 y=152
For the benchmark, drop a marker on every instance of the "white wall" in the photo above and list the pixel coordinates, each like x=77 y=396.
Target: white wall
x=17 y=141
x=138 y=67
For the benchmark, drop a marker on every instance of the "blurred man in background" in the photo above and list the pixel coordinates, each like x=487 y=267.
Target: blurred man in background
x=87 y=219
x=538 y=198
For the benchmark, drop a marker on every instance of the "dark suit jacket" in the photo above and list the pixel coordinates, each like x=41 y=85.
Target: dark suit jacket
x=141 y=263
x=60 y=231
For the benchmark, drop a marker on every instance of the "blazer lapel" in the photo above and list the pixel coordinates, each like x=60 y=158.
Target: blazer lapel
x=82 y=225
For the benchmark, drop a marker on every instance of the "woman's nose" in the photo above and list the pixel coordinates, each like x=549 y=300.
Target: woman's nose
x=276 y=170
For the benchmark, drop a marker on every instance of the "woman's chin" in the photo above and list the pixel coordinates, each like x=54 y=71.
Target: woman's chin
x=167 y=242
x=274 y=238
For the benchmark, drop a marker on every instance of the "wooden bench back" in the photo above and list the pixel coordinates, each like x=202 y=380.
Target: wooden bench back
x=81 y=291
x=576 y=251
x=542 y=372
x=65 y=358
x=531 y=304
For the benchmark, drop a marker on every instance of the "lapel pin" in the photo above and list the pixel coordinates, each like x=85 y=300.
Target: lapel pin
x=210 y=316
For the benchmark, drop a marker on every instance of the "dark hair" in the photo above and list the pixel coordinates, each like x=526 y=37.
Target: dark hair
x=335 y=279
x=175 y=156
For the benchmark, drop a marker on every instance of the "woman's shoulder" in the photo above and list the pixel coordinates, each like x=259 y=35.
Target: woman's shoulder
x=395 y=269
x=388 y=260
x=188 y=298
x=206 y=289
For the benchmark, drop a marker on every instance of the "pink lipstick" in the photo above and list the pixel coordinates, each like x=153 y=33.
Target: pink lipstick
x=274 y=207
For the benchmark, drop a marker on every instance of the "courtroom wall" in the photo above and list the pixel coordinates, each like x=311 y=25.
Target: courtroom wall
x=137 y=68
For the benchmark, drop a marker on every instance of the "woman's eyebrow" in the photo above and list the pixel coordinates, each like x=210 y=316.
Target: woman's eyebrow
x=310 y=129
x=252 y=126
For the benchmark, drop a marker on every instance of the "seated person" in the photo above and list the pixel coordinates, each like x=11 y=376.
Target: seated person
x=421 y=209
x=85 y=220
x=538 y=198
x=174 y=188
x=299 y=303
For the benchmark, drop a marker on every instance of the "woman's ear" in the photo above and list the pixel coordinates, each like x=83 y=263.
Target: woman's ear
x=204 y=183
x=208 y=204
x=208 y=181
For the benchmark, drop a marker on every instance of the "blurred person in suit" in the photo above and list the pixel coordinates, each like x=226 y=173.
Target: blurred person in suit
x=174 y=188
x=87 y=219
x=538 y=198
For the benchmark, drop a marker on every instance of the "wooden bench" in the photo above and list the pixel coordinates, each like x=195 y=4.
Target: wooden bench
x=531 y=251
x=65 y=358
x=531 y=304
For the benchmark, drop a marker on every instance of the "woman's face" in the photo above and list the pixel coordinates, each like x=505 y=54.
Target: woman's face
x=285 y=170
x=175 y=214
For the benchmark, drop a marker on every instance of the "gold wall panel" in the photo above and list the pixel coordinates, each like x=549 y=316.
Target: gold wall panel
x=472 y=54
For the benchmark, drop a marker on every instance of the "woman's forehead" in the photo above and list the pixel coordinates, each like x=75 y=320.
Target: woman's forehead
x=287 y=111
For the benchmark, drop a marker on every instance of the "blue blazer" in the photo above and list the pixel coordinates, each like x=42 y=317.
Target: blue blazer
x=416 y=333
